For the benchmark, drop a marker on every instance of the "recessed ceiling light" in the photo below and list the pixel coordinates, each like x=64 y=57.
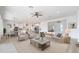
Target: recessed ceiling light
x=58 y=12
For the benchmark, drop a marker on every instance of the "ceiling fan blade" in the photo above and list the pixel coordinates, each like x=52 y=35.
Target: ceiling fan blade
x=40 y=15
x=33 y=15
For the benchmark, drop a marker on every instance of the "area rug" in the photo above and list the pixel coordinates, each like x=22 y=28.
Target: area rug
x=7 y=48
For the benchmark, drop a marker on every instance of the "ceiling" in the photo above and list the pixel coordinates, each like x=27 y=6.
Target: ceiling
x=20 y=13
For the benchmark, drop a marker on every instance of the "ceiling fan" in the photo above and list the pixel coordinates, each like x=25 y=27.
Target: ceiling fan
x=37 y=14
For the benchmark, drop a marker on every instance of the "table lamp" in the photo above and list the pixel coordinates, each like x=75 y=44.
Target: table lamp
x=42 y=35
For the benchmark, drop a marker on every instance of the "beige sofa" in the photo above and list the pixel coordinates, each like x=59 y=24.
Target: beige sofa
x=22 y=35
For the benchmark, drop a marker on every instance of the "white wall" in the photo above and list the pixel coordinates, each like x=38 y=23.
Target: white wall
x=5 y=25
x=44 y=24
x=75 y=32
x=69 y=19
x=44 y=27
x=58 y=27
x=1 y=27
x=78 y=19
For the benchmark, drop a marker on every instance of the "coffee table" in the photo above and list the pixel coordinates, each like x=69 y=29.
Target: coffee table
x=41 y=44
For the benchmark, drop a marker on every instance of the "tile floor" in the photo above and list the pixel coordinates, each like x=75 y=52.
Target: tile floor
x=26 y=47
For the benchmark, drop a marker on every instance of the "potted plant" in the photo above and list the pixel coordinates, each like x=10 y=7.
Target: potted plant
x=42 y=35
